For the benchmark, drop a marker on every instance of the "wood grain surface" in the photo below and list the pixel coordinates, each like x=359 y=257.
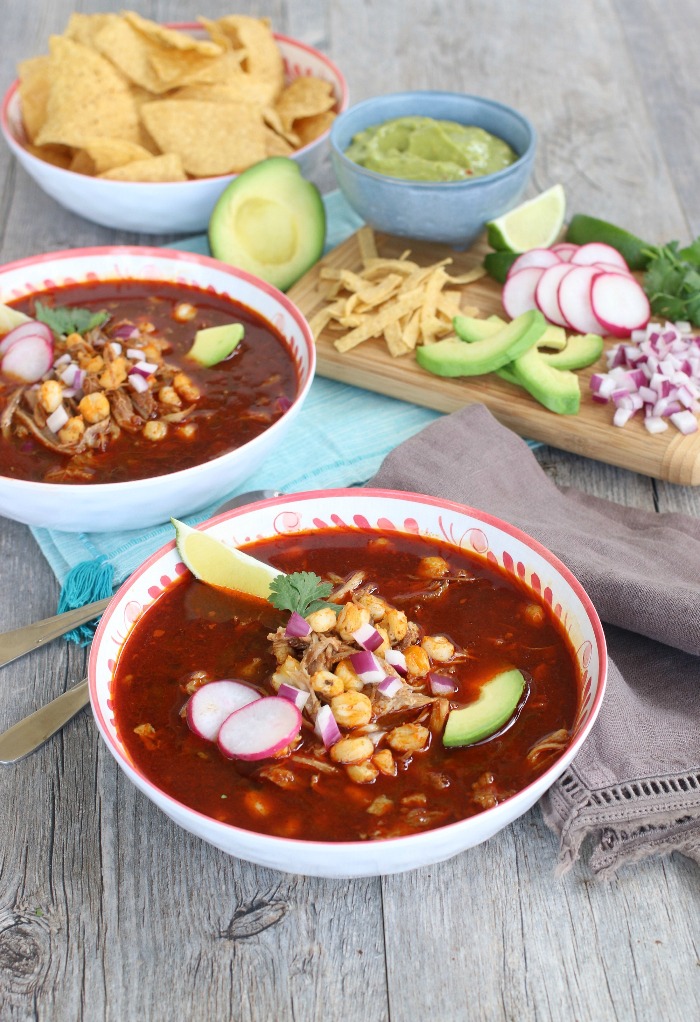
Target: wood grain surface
x=108 y=911
x=669 y=455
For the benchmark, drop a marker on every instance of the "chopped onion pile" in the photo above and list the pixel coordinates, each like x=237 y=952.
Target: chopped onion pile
x=657 y=373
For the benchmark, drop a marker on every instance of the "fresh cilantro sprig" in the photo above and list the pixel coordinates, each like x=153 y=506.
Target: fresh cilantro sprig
x=67 y=320
x=302 y=591
x=672 y=282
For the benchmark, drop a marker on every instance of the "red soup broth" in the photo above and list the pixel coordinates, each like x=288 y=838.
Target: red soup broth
x=487 y=614
x=217 y=409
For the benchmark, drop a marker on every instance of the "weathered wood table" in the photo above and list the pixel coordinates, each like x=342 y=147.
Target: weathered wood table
x=107 y=910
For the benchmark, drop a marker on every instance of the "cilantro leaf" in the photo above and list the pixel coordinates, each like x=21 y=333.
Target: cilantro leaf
x=302 y=591
x=67 y=320
x=672 y=281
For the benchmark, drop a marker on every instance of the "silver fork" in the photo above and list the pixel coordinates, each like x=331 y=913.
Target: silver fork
x=30 y=733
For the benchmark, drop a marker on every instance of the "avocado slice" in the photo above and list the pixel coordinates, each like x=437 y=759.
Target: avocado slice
x=497 y=702
x=556 y=389
x=470 y=329
x=582 y=350
x=215 y=343
x=454 y=358
x=269 y=221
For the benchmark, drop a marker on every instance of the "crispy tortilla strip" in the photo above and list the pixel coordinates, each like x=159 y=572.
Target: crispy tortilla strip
x=376 y=325
x=429 y=323
x=393 y=335
x=469 y=277
x=367 y=244
x=377 y=267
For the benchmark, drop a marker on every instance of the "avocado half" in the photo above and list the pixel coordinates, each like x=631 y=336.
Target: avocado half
x=269 y=221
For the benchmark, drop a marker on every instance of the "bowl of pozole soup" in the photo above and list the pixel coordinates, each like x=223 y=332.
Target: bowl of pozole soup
x=417 y=677
x=139 y=383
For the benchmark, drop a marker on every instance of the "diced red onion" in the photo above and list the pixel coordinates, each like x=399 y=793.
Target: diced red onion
x=397 y=660
x=326 y=727
x=294 y=694
x=284 y=403
x=62 y=360
x=125 y=332
x=657 y=373
x=297 y=626
x=144 y=368
x=68 y=374
x=684 y=421
x=367 y=637
x=653 y=424
x=138 y=382
x=390 y=686
x=440 y=685
x=134 y=353
x=116 y=347
x=367 y=667
x=57 y=419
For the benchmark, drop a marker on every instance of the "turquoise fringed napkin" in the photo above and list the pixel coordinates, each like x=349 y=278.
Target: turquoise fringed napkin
x=365 y=427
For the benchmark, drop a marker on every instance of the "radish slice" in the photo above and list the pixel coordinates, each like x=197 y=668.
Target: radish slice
x=543 y=257
x=598 y=252
x=260 y=729
x=518 y=294
x=619 y=302
x=546 y=293
x=574 y=297
x=564 y=250
x=31 y=329
x=211 y=704
x=28 y=360
x=612 y=268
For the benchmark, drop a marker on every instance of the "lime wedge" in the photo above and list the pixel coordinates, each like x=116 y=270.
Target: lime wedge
x=213 y=562
x=536 y=223
x=584 y=229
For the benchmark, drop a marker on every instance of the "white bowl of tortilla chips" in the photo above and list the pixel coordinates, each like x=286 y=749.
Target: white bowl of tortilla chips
x=140 y=126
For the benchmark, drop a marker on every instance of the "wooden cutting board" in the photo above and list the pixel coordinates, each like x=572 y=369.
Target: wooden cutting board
x=669 y=455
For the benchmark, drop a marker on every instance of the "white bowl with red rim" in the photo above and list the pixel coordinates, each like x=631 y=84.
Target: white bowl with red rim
x=380 y=512
x=140 y=503
x=168 y=207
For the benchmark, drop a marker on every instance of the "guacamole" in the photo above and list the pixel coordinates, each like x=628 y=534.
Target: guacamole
x=424 y=149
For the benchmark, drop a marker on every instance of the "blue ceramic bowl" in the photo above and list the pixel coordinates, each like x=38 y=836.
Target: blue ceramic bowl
x=452 y=212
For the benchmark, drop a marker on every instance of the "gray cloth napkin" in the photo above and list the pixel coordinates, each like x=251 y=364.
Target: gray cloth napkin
x=634 y=788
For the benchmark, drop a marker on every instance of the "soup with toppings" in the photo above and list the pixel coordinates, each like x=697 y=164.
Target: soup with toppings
x=122 y=399
x=369 y=758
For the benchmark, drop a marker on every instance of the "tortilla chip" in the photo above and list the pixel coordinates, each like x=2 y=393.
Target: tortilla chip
x=107 y=153
x=310 y=128
x=155 y=168
x=304 y=97
x=275 y=145
x=237 y=87
x=82 y=28
x=58 y=155
x=88 y=98
x=154 y=58
x=262 y=58
x=210 y=138
x=34 y=89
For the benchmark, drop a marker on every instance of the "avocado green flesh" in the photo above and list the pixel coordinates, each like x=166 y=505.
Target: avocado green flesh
x=497 y=702
x=470 y=329
x=215 y=343
x=556 y=389
x=582 y=350
x=454 y=358
x=269 y=221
